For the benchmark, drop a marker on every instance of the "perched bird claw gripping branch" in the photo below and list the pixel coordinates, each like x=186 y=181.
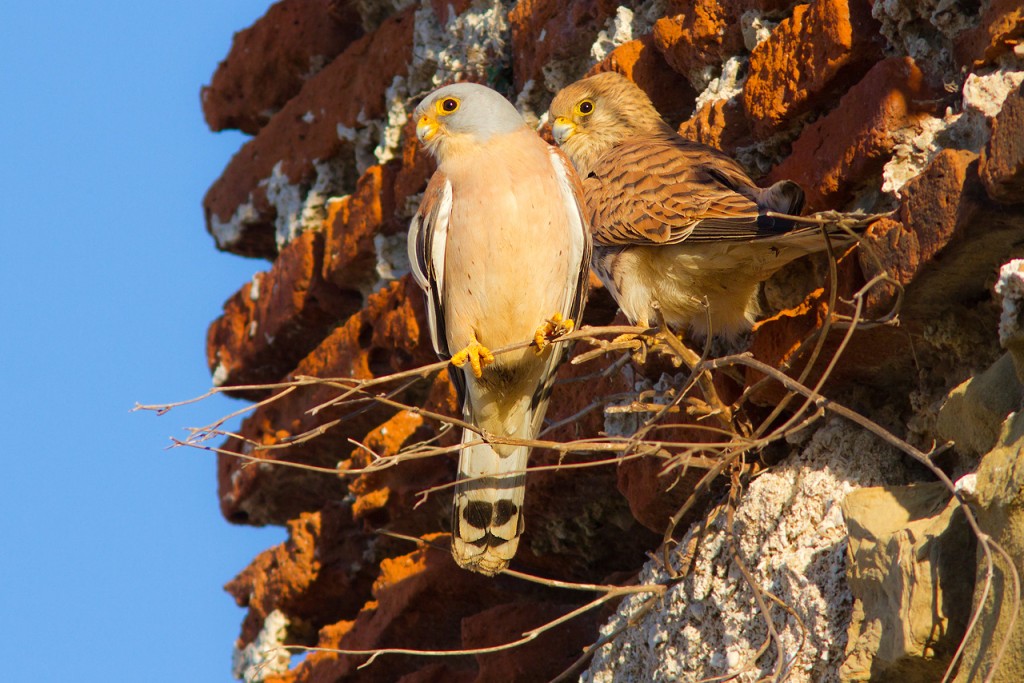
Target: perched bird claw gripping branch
x=503 y=257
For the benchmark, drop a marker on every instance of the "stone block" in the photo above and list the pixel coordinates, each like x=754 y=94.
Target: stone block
x=906 y=563
x=271 y=60
x=697 y=39
x=318 y=125
x=1002 y=158
x=847 y=147
x=1000 y=30
x=823 y=48
x=277 y=319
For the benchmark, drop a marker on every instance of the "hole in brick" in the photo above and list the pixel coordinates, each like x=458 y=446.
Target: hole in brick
x=365 y=335
x=239 y=517
x=401 y=358
x=379 y=361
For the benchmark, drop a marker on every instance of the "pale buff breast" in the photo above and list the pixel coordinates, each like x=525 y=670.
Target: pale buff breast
x=672 y=282
x=508 y=248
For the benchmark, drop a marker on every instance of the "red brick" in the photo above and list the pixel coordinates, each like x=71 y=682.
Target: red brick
x=388 y=335
x=541 y=659
x=848 y=147
x=417 y=167
x=353 y=222
x=259 y=341
x=551 y=30
x=700 y=37
x=315 y=577
x=1000 y=29
x=823 y=47
x=720 y=124
x=1002 y=159
x=420 y=601
x=928 y=218
x=350 y=87
x=640 y=62
x=269 y=61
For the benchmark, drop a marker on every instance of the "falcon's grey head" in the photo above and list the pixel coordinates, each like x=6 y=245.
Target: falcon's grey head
x=463 y=112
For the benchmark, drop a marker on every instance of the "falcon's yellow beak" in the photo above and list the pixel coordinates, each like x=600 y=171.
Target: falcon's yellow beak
x=563 y=129
x=426 y=128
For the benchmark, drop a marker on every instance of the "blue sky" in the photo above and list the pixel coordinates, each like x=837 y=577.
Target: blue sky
x=113 y=549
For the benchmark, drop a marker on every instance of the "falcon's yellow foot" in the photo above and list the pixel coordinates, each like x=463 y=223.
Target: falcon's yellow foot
x=554 y=327
x=637 y=344
x=478 y=356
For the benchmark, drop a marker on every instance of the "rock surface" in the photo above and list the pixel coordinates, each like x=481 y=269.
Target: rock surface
x=906 y=561
x=863 y=103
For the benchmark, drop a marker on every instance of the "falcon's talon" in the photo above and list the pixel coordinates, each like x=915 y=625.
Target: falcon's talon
x=476 y=354
x=553 y=328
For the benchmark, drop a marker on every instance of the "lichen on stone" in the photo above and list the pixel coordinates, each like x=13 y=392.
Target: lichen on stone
x=265 y=655
x=923 y=29
x=298 y=208
x=983 y=94
x=617 y=31
x=397 y=96
x=227 y=233
x=790 y=532
x=1010 y=288
x=392 y=259
x=728 y=85
x=473 y=45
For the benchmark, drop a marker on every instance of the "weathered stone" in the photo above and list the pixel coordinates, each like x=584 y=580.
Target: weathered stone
x=998 y=502
x=638 y=61
x=411 y=179
x=550 y=32
x=823 y=47
x=540 y=660
x=787 y=524
x=392 y=498
x=848 y=146
x=720 y=124
x=353 y=223
x=1002 y=158
x=974 y=412
x=936 y=205
x=419 y=601
x=999 y=30
x=387 y=336
x=269 y=61
x=698 y=39
x=905 y=568
x=317 y=125
x=277 y=319
x=1010 y=290
x=315 y=576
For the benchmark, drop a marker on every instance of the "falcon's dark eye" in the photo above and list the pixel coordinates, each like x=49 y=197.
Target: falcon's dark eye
x=449 y=104
x=585 y=107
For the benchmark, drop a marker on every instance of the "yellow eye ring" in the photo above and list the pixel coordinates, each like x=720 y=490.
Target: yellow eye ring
x=447 y=105
x=585 y=108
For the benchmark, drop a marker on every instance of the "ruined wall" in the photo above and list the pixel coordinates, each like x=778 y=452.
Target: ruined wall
x=911 y=107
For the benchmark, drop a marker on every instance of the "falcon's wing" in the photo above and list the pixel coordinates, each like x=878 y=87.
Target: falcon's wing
x=428 y=237
x=571 y=191
x=664 y=189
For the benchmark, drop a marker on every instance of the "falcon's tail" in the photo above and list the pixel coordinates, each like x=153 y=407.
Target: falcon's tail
x=488 y=507
x=488 y=511
x=784 y=196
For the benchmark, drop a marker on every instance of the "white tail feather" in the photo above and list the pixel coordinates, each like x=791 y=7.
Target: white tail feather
x=488 y=506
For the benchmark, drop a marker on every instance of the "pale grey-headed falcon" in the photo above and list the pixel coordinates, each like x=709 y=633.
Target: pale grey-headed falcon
x=501 y=247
